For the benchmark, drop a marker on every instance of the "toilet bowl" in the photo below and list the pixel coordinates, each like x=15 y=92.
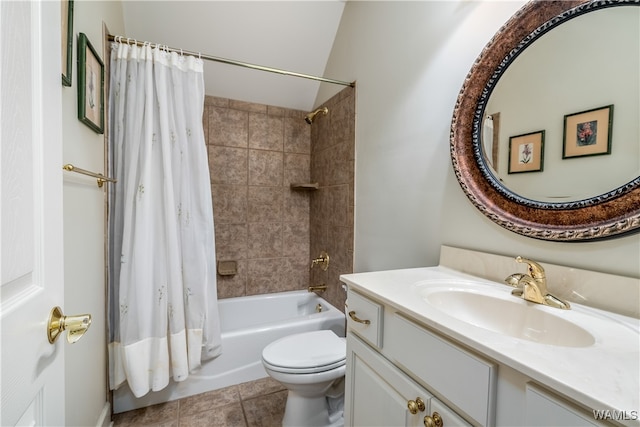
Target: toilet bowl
x=311 y=365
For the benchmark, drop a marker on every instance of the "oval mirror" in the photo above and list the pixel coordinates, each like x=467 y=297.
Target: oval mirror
x=534 y=142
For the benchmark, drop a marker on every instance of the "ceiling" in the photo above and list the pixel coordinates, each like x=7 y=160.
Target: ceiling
x=291 y=35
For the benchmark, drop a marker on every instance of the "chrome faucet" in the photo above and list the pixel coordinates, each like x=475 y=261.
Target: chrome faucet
x=533 y=286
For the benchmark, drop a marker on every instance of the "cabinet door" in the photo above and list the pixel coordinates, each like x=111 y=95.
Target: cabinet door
x=377 y=393
x=449 y=417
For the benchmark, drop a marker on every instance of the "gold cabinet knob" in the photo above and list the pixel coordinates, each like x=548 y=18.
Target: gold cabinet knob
x=435 y=420
x=76 y=326
x=355 y=318
x=416 y=406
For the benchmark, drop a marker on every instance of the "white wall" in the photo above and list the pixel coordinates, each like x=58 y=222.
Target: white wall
x=409 y=60
x=84 y=216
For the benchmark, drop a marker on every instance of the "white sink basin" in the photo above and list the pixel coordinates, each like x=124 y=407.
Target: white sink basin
x=498 y=311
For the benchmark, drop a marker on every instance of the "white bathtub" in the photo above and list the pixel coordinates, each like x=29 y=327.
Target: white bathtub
x=248 y=324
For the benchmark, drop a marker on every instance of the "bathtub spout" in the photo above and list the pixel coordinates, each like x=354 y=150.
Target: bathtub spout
x=320 y=288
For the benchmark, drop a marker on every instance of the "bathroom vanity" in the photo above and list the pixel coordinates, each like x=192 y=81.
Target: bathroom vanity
x=439 y=347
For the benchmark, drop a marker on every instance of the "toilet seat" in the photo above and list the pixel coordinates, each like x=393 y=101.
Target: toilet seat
x=305 y=353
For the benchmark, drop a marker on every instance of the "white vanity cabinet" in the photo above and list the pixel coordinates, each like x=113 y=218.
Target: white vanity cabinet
x=378 y=393
x=400 y=371
x=380 y=389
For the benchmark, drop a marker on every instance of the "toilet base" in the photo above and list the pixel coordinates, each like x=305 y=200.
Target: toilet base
x=304 y=411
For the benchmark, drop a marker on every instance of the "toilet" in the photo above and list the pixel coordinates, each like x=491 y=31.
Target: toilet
x=311 y=365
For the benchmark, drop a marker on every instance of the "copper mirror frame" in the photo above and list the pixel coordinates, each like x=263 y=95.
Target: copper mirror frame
x=613 y=214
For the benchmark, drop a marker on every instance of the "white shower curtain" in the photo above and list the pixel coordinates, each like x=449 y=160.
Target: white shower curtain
x=163 y=316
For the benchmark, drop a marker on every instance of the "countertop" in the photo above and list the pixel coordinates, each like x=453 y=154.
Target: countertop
x=604 y=375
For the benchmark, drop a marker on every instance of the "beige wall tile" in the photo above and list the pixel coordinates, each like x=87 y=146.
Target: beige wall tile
x=295 y=237
x=229 y=203
x=273 y=232
x=266 y=276
x=266 y=132
x=265 y=204
x=228 y=165
x=231 y=241
x=296 y=168
x=265 y=240
x=265 y=167
x=297 y=135
x=228 y=127
x=296 y=205
x=247 y=106
x=233 y=286
x=296 y=273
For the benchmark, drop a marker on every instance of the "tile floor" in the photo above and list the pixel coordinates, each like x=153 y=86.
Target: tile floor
x=257 y=403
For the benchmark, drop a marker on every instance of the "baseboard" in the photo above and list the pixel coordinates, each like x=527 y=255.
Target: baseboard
x=104 y=420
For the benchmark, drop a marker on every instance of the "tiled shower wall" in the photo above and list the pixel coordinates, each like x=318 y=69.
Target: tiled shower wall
x=255 y=153
x=332 y=206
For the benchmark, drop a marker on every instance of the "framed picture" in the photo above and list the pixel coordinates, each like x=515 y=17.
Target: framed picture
x=67 y=40
x=588 y=133
x=526 y=152
x=90 y=85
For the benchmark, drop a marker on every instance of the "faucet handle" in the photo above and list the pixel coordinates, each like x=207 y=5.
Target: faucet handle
x=536 y=271
x=322 y=260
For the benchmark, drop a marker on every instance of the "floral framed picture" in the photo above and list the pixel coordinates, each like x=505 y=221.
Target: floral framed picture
x=526 y=152
x=67 y=40
x=90 y=85
x=588 y=133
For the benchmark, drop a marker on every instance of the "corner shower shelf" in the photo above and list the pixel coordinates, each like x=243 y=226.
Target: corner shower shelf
x=312 y=186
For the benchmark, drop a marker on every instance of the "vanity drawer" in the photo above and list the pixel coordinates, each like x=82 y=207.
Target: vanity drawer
x=364 y=318
x=463 y=379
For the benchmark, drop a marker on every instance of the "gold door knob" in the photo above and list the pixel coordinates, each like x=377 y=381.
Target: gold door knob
x=435 y=420
x=75 y=326
x=416 y=406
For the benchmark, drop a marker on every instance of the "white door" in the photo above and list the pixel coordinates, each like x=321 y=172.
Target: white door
x=32 y=370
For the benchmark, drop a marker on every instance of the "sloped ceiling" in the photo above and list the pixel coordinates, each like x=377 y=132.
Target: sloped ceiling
x=292 y=35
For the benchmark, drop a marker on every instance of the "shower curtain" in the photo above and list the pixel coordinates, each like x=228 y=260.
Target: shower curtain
x=163 y=314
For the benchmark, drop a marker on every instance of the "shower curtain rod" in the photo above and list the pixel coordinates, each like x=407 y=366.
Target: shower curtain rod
x=111 y=37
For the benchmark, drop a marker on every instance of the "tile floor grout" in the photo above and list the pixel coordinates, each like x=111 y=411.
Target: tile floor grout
x=257 y=403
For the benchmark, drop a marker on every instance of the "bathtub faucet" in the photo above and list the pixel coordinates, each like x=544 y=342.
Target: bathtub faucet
x=320 y=288
x=322 y=261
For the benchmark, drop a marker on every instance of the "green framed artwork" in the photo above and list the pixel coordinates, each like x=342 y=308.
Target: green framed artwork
x=67 y=40
x=90 y=85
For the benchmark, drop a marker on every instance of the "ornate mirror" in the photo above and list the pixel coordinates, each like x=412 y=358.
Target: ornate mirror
x=514 y=97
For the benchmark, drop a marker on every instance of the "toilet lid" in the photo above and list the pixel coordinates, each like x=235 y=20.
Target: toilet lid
x=316 y=350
